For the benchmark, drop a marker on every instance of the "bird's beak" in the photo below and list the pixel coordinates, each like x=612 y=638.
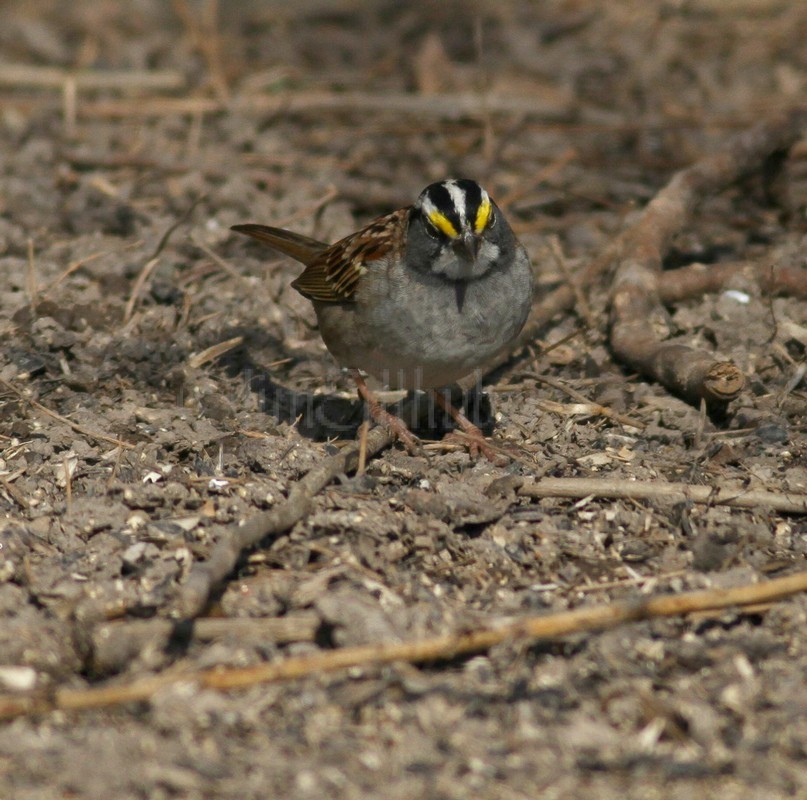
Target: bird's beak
x=466 y=247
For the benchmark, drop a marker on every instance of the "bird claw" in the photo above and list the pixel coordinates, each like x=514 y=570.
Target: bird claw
x=404 y=436
x=477 y=446
x=398 y=428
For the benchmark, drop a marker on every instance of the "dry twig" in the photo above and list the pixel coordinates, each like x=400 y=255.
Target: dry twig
x=149 y=266
x=71 y=82
x=206 y=576
x=436 y=648
x=364 y=429
x=785 y=502
x=76 y=265
x=595 y=409
x=31 y=281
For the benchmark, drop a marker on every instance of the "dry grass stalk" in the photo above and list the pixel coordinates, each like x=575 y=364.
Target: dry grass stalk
x=151 y=264
x=99 y=437
x=215 y=351
x=27 y=75
x=435 y=648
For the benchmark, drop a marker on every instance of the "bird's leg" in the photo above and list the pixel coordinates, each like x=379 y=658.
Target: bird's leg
x=474 y=439
x=383 y=417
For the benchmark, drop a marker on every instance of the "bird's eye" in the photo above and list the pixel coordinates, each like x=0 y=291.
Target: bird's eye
x=430 y=228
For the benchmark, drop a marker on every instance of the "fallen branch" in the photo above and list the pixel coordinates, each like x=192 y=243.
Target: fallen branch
x=785 y=502
x=639 y=323
x=436 y=648
x=648 y=238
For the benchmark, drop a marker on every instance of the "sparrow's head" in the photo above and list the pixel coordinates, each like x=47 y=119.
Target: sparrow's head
x=455 y=230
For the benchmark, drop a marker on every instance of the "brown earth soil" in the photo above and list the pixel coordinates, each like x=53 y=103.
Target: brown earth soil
x=319 y=116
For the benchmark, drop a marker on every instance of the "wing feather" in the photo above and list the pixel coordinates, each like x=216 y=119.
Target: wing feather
x=332 y=272
x=301 y=248
x=334 y=275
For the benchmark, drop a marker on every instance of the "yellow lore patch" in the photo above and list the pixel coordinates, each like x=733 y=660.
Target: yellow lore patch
x=443 y=223
x=482 y=216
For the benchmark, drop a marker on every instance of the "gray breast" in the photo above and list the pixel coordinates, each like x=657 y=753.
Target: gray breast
x=408 y=329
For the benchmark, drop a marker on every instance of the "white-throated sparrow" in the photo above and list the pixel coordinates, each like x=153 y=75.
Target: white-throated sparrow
x=418 y=298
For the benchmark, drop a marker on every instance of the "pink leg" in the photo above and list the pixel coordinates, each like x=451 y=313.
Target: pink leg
x=383 y=417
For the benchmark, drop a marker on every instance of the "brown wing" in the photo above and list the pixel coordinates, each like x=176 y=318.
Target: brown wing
x=301 y=248
x=332 y=276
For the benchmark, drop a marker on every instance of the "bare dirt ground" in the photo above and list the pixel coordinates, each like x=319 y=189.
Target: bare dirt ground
x=183 y=118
